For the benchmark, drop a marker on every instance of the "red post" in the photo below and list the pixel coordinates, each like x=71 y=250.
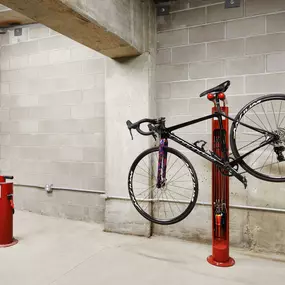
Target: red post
x=220 y=200
x=6 y=213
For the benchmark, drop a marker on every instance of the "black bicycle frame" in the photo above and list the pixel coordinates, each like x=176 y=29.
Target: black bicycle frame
x=167 y=133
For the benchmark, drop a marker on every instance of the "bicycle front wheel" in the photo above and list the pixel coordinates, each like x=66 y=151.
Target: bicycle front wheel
x=266 y=113
x=175 y=199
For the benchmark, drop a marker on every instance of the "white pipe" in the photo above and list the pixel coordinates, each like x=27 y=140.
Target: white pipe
x=254 y=208
x=62 y=188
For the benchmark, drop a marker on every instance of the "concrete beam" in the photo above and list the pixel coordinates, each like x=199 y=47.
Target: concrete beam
x=113 y=28
x=9 y=17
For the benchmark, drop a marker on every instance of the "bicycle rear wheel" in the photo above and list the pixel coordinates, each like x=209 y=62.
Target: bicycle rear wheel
x=171 y=202
x=266 y=113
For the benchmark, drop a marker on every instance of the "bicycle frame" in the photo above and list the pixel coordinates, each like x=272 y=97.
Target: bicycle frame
x=167 y=133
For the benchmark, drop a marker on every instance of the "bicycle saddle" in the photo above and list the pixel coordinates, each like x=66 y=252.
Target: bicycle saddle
x=223 y=87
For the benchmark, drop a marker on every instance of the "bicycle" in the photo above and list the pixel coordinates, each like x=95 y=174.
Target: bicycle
x=154 y=176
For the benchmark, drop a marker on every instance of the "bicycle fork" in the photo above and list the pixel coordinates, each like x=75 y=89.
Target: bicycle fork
x=162 y=163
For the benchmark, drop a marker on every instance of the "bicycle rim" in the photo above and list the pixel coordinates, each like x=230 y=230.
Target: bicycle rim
x=170 y=203
x=266 y=113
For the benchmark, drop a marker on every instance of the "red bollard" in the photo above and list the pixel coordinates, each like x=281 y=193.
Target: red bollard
x=220 y=201
x=6 y=213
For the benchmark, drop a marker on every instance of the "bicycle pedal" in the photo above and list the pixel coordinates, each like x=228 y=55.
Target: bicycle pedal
x=201 y=147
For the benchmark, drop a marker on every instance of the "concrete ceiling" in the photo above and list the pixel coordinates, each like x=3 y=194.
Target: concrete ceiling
x=9 y=18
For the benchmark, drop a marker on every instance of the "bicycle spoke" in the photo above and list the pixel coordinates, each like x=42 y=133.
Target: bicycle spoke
x=266 y=160
x=250 y=143
x=143 y=170
x=174 y=200
x=266 y=116
x=279 y=114
x=253 y=121
x=180 y=187
x=274 y=115
x=260 y=155
x=169 y=204
x=179 y=194
x=259 y=119
x=177 y=178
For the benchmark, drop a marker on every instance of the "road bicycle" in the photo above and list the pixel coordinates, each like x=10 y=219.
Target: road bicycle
x=162 y=180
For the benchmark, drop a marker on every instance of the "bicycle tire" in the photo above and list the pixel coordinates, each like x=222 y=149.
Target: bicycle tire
x=194 y=180
x=233 y=140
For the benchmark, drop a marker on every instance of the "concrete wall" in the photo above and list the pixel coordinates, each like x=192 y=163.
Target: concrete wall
x=52 y=121
x=201 y=44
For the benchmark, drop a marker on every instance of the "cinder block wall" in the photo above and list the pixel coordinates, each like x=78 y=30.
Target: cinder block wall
x=52 y=122
x=201 y=44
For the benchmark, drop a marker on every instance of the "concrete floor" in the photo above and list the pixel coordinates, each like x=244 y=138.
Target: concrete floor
x=64 y=252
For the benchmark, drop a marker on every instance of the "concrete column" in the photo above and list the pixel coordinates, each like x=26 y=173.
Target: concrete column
x=129 y=95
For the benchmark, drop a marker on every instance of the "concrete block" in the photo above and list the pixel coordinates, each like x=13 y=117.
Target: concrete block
x=79 y=82
x=39 y=59
x=63 y=126
x=19 y=114
x=207 y=33
x=163 y=23
x=167 y=108
x=188 y=18
x=266 y=237
x=188 y=53
x=172 y=38
x=122 y=217
x=217 y=13
x=19 y=87
x=4 y=115
x=19 y=62
x=92 y=154
x=265 y=83
x=60 y=70
x=257 y=7
x=19 y=75
x=197 y=226
x=206 y=69
x=179 y=5
x=82 y=53
x=199 y=107
x=23 y=101
x=93 y=125
x=275 y=62
x=222 y=49
x=275 y=23
x=187 y=89
x=20 y=49
x=56 y=42
x=5 y=101
x=38 y=32
x=237 y=102
x=50 y=112
x=171 y=72
x=94 y=66
x=68 y=98
x=265 y=44
x=246 y=27
x=83 y=111
x=48 y=153
x=94 y=95
x=21 y=127
x=58 y=56
x=70 y=154
x=245 y=65
x=5 y=63
x=163 y=91
x=5 y=140
x=4 y=88
x=163 y=56
x=237 y=84
x=198 y=3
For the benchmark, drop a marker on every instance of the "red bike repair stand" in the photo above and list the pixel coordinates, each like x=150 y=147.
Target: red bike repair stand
x=220 y=200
